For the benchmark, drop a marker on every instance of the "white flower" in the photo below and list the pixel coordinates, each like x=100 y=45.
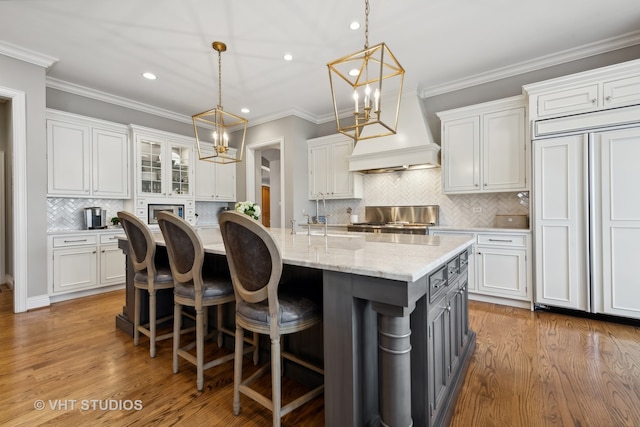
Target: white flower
x=249 y=208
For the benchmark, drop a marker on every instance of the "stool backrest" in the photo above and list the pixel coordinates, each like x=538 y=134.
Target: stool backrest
x=185 y=250
x=254 y=259
x=142 y=245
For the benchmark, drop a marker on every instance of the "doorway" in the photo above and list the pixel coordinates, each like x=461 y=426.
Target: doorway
x=16 y=205
x=265 y=161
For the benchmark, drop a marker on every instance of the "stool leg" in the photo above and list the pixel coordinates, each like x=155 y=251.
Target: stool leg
x=219 y=325
x=256 y=348
x=200 y=348
x=136 y=317
x=276 y=397
x=152 y=323
x=237 y=369
x=177 y=326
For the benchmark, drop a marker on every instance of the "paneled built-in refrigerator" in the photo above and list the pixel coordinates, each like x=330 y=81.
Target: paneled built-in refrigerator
x=586 y=215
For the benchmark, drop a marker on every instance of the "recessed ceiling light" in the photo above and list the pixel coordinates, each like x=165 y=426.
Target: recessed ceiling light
x=354 y=25
x=288 y=57
x=245 y=110
x=354 y=72
x=149 y=76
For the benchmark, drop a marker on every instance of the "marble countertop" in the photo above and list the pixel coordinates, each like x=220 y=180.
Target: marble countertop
x=403 y=257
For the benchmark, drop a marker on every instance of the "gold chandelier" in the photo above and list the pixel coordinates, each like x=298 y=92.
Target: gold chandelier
x=357 y=80
x=221 y=124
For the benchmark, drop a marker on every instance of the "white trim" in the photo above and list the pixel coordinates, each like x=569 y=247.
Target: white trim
x=116 y=100
x=75 y=89
x=603 y=46
x=19 y=146
x=26 y=55
x=38 y=302
x=251 y=175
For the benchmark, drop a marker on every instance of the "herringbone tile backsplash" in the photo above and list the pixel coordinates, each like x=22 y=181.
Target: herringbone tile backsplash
x=424 y=187
x=66 y=214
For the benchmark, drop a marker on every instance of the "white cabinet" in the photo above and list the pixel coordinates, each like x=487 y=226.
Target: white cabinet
x=560 y=218
x=600 y=89
x=82 y=261
x=86 y=157
x=163 y=164
x=164 y=171
x=215 y=181
x=502 y=269
x=329 y=173
x=499 y=266
x=483 y=147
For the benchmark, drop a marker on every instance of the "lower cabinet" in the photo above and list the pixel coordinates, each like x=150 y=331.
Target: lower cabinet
x=500 y=268
x=84 y=260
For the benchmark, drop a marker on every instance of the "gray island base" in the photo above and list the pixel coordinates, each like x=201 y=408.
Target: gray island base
x=395 y=336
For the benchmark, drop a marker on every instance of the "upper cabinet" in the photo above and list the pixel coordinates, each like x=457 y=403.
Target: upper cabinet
x=484 y=147
x=163 y=164
x=601 y=89
x=86 y=157
x=215 y=181
x=329 y=174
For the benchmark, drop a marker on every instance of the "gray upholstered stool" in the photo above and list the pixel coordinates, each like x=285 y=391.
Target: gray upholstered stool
x=256 y=268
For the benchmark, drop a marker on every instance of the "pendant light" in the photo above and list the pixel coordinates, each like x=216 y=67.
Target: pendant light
x=213 y=139
x=370 y=82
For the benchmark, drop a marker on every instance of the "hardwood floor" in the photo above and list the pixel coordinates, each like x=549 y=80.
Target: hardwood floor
x=529 y=369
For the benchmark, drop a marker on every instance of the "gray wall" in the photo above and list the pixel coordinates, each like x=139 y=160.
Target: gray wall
x=512 y=86
x=72 y=103
x=30 y=79
x=295 y=132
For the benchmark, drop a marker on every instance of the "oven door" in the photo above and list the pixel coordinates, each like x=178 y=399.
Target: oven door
x=154 y=209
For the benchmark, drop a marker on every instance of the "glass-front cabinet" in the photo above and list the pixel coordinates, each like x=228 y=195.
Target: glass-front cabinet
x=165 y=168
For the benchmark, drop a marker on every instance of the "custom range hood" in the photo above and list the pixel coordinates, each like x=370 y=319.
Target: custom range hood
x=412 y=147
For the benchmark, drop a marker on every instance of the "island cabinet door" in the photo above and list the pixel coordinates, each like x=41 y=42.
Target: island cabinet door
x=438 y=355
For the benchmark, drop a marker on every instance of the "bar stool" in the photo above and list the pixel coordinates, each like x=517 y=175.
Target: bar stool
x=193 y=289
x=255 y=264
x=147 y=277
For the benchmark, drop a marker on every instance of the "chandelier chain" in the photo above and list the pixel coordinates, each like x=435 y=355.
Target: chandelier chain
x=220 y=79
x=366 y=24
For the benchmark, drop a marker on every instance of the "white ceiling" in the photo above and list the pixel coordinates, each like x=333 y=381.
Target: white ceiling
x=106 y=45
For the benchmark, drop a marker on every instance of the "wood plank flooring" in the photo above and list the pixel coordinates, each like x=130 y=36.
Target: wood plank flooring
x=529 y=369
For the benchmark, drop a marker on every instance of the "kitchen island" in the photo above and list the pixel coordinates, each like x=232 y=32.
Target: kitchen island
x=395 y=334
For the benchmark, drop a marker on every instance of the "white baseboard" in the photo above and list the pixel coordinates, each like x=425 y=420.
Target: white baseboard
x=8 y=280
x=38 y=302
x=500 y=300
x=85 y=293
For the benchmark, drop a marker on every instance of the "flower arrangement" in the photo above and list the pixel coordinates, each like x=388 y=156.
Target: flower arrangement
x=249 y=208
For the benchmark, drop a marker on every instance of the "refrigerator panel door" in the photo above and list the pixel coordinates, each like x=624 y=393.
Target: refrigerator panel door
x=617 y=222
x=560 y=201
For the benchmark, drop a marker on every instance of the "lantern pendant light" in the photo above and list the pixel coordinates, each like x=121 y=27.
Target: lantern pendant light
x=369 y=83
x=218 y=127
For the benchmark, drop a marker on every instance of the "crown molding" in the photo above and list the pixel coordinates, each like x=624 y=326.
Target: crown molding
x=75 y=89
x=26 y=55
x=54 y=83
x=585 y=51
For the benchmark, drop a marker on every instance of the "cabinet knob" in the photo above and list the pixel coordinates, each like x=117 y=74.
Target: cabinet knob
x=448 y=308
x=593 y=101
x=608 y=98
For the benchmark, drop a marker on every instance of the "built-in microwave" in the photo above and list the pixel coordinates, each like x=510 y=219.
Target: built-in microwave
x=155 y=208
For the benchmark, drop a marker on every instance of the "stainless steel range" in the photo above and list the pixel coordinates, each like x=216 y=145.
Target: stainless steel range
x=398 y=219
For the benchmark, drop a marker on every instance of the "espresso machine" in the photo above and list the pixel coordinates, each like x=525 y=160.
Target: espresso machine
x=95 y=218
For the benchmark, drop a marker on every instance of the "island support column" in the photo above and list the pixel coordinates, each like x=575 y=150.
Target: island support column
x=394 y=352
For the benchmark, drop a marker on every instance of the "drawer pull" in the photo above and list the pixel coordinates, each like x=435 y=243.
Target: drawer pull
x=501 y=240
x=438 y=283
x=75 y=241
